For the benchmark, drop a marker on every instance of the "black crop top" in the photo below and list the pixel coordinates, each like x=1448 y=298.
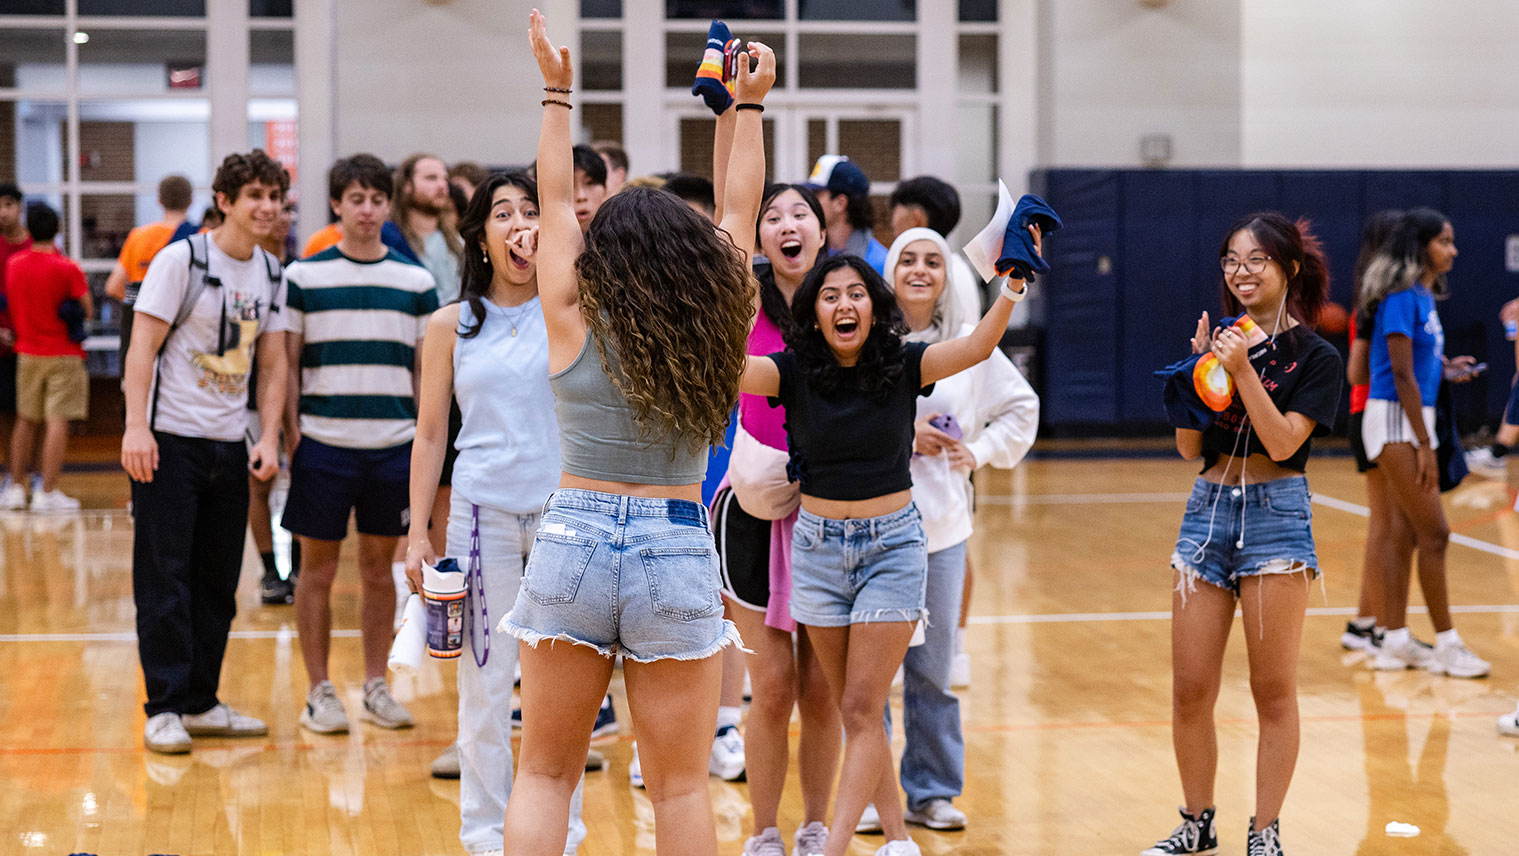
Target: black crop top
x=845 y=445
x=1302 y=373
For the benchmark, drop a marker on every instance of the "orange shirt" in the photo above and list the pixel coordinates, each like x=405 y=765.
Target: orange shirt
x=325 y=237
x=143 y=243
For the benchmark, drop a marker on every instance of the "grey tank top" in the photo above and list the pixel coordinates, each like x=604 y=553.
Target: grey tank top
x=598 y=438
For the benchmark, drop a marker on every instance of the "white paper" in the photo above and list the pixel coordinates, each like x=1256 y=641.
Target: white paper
x=983 y=250
x=411 y=639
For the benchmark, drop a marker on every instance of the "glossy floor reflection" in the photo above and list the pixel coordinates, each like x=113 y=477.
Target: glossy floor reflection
x=1067 y=724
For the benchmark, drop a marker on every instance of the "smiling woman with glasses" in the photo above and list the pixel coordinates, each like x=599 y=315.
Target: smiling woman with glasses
x=1246 y=534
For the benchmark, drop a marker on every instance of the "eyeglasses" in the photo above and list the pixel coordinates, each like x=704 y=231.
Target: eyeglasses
x=1254 y=264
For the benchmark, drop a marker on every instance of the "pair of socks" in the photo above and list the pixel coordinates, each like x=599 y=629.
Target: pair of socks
x=718 y=71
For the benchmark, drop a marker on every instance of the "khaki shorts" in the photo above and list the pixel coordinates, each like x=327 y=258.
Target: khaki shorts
x=51 y=388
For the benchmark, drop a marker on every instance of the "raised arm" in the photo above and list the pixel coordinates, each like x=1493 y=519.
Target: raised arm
x=559 y=239
x=942 y=359
x=744 y=183
x=722 y=149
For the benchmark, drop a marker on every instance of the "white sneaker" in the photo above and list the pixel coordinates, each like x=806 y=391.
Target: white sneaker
x=900 y=848
x=1458 y=661
x=727 y=759
x=1411 y=654
x=937 y=814
x=53 y=501
x=959 y=670
x=13 y=498
x=381 y=708
x=635 y=770
x=1482 y=462
x=810 y=839
x=223 y=721
x=1508 y=723
x=166 y=735
x=767 y=843
x=870 y=821
x=324 y=711
x=446 y=766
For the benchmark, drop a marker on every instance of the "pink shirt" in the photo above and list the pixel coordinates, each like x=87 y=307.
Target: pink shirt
x=764 y=423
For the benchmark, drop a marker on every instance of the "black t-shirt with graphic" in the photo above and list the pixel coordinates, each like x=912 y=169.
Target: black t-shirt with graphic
x=1302 y=373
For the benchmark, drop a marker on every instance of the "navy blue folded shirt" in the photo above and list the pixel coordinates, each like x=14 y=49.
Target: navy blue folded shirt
x=1184 y=408
x=1018 y=257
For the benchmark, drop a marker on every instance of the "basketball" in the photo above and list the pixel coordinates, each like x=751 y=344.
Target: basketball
x=1333 y=319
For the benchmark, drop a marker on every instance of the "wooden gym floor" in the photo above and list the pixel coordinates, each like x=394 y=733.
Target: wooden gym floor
x=1067 y=724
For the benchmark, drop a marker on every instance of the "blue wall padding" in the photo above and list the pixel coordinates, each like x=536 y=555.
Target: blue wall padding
x=1156 y=233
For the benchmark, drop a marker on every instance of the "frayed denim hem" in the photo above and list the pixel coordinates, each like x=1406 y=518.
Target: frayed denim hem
x=728 y=637
x=1187 y=577
x=533 y=637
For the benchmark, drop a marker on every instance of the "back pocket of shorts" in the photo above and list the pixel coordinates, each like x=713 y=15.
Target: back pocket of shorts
x=554 y=568
x=683 y=581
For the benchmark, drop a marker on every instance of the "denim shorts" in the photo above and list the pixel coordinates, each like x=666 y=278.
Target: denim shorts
x=856 y=571
x=1229 y=532
x=625 y=575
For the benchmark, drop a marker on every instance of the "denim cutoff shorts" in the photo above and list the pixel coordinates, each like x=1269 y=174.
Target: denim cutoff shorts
x=625 y=575
x=861 y=570
x=1229 y=532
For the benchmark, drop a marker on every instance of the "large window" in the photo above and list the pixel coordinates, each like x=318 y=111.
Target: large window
x=101 y=102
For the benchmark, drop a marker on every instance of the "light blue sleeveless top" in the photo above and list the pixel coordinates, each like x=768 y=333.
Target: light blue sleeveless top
x=509 y=445
x=598 y=438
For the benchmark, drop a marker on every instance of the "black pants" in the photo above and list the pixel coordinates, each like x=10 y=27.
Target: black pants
x=189 y=526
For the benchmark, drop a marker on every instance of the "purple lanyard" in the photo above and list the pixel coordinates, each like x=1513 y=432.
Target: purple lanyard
x=475 y=579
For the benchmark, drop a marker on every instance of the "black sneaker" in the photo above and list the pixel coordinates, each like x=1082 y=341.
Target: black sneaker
x=1357 y=638
x=272 y=590
x=1264 y=842
x=1195 y=837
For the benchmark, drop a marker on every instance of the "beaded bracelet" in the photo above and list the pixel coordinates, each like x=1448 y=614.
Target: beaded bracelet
x=547 y=101
x=557 y=89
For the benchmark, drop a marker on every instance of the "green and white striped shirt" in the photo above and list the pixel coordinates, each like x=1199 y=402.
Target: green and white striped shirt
x=361 y=323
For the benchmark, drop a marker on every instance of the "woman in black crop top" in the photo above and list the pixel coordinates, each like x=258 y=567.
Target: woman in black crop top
x=859 y=560
x=1247 y=532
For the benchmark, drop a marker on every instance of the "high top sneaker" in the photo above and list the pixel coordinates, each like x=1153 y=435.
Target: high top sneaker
x=1264 y=842
x=1195 y=837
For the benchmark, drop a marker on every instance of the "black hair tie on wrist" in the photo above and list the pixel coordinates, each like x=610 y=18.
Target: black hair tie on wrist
x=749 y=106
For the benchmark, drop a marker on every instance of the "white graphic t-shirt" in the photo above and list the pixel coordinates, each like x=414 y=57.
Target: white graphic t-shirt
x=201 y=383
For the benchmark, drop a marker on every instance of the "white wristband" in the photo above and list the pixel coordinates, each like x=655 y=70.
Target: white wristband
x=1014 y=296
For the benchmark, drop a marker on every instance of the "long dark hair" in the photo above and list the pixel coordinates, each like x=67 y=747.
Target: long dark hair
x=879 y=364
x=1373 y=235
x=475 y=273
x=1297 y=251
x=772 y=302
x=1402 y=258
x=674 y=299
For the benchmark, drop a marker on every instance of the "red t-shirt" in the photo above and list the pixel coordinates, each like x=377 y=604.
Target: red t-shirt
x=35 y=284
x=8 y=249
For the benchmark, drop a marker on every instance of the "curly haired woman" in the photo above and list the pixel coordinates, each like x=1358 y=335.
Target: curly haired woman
x=647 y=320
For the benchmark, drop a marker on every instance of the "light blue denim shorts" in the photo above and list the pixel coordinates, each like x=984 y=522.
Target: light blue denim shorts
x=856 y=571
x=623 y=575
x=1230 y=532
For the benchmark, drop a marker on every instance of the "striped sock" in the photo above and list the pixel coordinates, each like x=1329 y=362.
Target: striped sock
x=711 y=77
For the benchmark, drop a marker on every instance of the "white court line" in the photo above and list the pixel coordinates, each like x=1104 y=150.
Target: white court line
x=132 y=637
x=1079 y=617
x=1081 y=498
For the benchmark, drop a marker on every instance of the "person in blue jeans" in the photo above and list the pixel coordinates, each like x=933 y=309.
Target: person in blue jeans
x=647 y=314
x=859 y=558
x=1246 y=537
x=1398 y=430
x=985 y=415
x=490 y=352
